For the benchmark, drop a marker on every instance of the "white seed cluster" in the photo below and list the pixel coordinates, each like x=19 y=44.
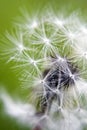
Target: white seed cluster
x=52 y=43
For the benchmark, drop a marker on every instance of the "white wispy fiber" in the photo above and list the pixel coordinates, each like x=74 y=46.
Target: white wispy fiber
x=51 y=50
x=17 y=109
x=25 y=113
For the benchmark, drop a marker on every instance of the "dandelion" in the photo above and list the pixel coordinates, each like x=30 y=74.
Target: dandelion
x=13 y=45
x=52 y=53
x=27 y=23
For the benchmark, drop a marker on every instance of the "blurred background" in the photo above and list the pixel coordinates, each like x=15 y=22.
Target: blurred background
x=9 y=80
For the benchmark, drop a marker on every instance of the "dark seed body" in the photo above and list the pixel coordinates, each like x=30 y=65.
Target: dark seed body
x=61 y=77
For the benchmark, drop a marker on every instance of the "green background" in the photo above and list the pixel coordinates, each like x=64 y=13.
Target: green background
x=10 y=9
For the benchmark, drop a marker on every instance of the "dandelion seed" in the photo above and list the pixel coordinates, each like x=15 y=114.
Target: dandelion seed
x=21 y=47
x=59 y=23
x=70 y=37
x=17 y=109
x=40 y=40
x=80 y=54
x=47 y=41
x=15 y=46
x=34 y=25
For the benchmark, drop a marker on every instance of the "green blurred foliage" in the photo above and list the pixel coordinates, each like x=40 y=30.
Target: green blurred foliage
x=9 y=9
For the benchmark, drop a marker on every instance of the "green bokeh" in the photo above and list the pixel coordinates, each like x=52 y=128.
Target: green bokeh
x=9 y=9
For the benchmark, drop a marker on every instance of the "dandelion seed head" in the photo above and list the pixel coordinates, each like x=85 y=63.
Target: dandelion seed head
x=21 y=47
x=16 y=108
x=71 y=36
x=46 y=41
x=59 y=22
x=80 y=51
x=52 y=51
x=34 y=25
x=72 y=76
x=60 y=59
x=39 y=81
x=32 y=61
